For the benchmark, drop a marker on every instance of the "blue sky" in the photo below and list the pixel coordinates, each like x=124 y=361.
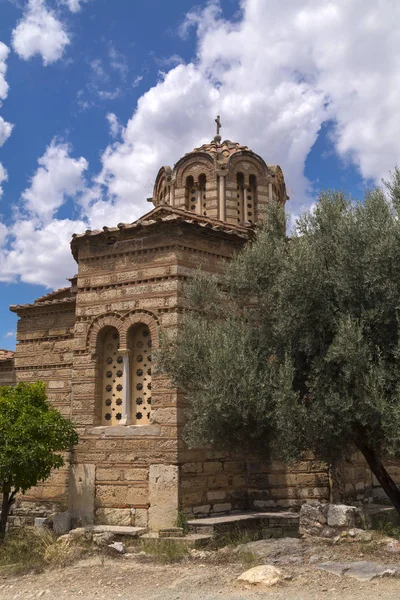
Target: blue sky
x=96 y=95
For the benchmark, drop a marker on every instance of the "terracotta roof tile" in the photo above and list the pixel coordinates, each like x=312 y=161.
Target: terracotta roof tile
x=36 y=304
x=6 y=355
x=166 y=213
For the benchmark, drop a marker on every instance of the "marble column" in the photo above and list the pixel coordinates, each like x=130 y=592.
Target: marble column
x=222 y=199
x=126 y=392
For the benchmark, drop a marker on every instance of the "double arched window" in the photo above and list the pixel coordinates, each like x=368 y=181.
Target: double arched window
x=246 y=198
x=125 y=377
x=195 y=194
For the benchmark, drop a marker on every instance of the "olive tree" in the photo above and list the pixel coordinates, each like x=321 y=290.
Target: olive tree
x=295 y=347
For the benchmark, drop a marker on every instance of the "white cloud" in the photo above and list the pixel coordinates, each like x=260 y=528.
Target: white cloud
x=40 y=254
x=9 y=334
x=109 y=95
x=5 y=130
x=37 y=248
x=40 y=32
x=113 y=122
x=275 y=75
x=118 y=62
x=4 y=50
x=137 y=80
x=57 y=178
x=98 y=70
x=74 y=5
x=3 y=234
x=3 y=178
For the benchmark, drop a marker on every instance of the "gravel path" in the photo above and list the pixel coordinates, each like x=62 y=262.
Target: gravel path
x=130 y=579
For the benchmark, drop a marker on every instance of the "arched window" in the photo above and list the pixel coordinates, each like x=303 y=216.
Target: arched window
x=190 y=194
x=112 y=364
x=240 y=197
x=202 y=204
x=139 y=340
x=251 y=193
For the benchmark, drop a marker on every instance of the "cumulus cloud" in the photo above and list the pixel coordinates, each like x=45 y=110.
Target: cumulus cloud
x=5 y=130
x=4 y=50
x=3 y=178
x=40 y=32
x=38 y=241
x=39 y=254
x=3 y=233
x=57 y=178
x=275 y=74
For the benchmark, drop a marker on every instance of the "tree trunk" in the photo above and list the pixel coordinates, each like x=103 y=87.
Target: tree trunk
x=5 y=507
x=376 y=466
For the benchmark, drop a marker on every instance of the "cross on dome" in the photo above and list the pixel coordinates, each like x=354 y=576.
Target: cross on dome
x=217 y=138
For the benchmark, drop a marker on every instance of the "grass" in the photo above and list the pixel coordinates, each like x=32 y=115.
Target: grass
x=234 y=536
x=388 y=528
x=27 y=549
x=164 y=550
x=181 y=521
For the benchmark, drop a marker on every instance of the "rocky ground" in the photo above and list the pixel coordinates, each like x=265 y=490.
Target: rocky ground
x=214 y=575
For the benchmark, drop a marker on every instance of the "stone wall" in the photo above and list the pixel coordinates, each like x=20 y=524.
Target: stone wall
x=44 y=352
x=355 y=482
x=7 y=372
x=214 y=483
x=138 y=278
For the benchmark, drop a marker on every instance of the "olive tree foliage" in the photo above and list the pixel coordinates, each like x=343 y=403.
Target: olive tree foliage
x=32 y=435
x=295 y=347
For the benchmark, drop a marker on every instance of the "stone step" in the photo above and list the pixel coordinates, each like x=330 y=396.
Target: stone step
x=121 y=530
x=265 y=524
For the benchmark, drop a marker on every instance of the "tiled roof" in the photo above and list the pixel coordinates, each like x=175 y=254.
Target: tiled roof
x=166 y=213
x=6 y=355
x=64 y=295
x=69 y=300
x=221 y=151
x=52 y=295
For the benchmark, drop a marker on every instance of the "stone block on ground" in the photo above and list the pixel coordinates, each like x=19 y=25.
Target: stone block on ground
x=360 y=570
x=326 y=520
x=118 y=547
x=103 y=539
x=40 y=522
x=61 y=522
x=340 y=515
x=265 y=575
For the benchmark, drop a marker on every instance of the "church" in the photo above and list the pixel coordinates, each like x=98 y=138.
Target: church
x=92 y=343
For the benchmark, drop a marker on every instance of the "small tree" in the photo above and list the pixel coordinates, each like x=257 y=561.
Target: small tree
x=296 y=347
x=32 y=434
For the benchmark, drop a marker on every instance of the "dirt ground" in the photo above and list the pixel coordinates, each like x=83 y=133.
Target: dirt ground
x=129 y=577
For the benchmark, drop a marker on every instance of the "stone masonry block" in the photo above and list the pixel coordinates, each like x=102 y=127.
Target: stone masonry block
x=163 y=496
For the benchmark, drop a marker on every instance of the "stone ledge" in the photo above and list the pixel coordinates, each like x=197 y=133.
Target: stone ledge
x=245 y=516
x=116 y=530
x=106 y=431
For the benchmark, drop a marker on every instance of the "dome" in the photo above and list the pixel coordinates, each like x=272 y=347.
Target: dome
x=221 y=180
x=220 y=152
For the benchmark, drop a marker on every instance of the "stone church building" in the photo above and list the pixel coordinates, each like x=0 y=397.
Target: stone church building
x=92 y=343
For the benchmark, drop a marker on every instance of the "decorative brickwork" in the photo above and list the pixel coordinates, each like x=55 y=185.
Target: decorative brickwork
x=92 y=342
